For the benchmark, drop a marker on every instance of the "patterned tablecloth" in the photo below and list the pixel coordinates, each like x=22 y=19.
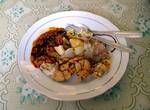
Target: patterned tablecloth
x=131 y=93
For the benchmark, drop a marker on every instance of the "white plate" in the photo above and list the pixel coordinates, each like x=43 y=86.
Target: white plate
x=65 y=91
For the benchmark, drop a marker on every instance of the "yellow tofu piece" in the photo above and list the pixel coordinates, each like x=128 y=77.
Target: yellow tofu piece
x=76 y=43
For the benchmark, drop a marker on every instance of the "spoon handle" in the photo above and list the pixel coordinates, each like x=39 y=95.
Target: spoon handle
x=113 y=44
x=119 y=34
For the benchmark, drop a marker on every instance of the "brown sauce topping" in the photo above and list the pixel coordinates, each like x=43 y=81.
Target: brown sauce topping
x=43 y=46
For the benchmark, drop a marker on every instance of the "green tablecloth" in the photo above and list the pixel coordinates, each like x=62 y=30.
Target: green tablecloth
x=131 y=93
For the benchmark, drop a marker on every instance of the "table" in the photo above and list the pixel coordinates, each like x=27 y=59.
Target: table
x=131 y=93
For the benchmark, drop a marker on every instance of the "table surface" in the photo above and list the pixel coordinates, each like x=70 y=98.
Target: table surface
x=131 y=93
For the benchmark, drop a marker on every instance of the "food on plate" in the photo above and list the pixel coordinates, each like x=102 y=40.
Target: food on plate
x=100 y=68
x=61 y=53
x=59 y=49
x=76 y=43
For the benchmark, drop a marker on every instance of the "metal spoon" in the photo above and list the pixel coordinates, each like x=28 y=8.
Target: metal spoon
x=126 y=34
x=78 y=28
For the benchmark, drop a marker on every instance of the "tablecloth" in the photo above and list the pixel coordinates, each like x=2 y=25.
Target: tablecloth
x=131 y=93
